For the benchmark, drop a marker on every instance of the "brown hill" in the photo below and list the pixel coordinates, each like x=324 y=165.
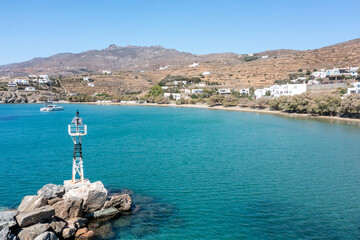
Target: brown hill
x=137 y=68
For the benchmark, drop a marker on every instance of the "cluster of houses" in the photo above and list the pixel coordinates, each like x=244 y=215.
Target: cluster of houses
x=281 y=90
x=41 y=79
x=336 y=73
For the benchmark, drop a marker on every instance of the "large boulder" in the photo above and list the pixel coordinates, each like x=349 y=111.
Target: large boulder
x=5 y=233
x=31 y=202
x=109 y=212
x=122 y=202
x=57 y=225
x=50 y=191
x=71 y=207
x=35 y=216
x=47 y=236
x=93 y=194
x=78 y=222
x=68 y=232
x=84 y=233
x=7 y=218
x=54 y=200
x=30 y=233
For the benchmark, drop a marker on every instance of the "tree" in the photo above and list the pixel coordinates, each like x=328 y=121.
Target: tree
x=215 y=100
x=156 y=90
x=268 y=93
x=230 y=101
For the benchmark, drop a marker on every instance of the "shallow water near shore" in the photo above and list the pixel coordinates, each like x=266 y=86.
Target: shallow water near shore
x=196 y=173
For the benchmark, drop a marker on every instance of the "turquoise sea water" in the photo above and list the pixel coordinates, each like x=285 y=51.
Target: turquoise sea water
x=196 y=173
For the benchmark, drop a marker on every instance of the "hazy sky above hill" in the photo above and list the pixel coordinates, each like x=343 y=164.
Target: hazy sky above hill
x=36 y=28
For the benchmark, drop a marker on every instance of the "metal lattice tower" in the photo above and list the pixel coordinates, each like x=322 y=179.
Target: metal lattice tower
x=76 y=130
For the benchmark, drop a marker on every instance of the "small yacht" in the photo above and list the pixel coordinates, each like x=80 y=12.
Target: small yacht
x=51 y=108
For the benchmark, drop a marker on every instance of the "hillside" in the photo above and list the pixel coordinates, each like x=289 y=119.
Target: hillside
x=137 y=68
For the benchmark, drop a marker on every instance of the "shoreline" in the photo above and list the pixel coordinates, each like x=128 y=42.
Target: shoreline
x=331 y=119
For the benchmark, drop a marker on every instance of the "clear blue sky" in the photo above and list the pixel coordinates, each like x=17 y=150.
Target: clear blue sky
x=35 y=28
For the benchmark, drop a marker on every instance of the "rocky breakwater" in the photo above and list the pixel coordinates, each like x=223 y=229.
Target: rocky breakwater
x=63 y=212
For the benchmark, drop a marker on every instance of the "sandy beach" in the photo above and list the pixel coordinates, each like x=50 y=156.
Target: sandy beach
x=332 y=119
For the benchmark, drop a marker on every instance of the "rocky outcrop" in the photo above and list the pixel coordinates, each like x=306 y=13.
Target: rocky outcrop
x=47 y=236
x=109 y=212
x=50 y=191
x=7 y=218
x=31 y=202
x=30 y=233
x=78 y=222
x=35 y=216
x=84 y=233
x=93 y=194
x=71 y=207
x=68 y=232
x=5 y=233
x=54 y=215
x=57 y=226
x=54 y=200
x=122 y=202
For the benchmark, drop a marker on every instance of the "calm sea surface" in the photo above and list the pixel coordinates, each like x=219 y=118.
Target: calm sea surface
x=196 y=173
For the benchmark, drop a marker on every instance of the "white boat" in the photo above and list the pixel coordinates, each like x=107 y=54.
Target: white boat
x=51 y=108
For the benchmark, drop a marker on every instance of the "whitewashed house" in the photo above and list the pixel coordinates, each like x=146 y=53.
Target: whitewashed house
x=43 y=81
x=175 y=96
x=164 y=87
x=91 y=84
x=180 y=82
x=261 y=92
x=288 y=90
x=22 y=82
x=224 y=91
x=196 y=91
x=12 y=84
x=355 y=89
x=106 y=72
x=319 y=74
x=205 y=73
x=244 y=91
x=194 y=65
x=30 y=89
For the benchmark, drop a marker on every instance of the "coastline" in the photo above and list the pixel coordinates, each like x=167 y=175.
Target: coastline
x=332 y=119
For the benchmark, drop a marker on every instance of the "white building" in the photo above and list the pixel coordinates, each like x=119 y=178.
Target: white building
x=175 y=96
x=196 y=91
x=288 y=90
x=266 y=56
x=91 y=85
x=355 y=89
x=106 y=72
x=261 y=92
x=44 y=77
x=86 y=79
x=30 y=89
x=245 y=91
x=180 y=82
x=201 y=85
x=224 y=91
x=22 y=82
x=194 y=65
x=12 y=84
x=320 y=74
x=43 y=81
x=338 y=73
x=164 y=87
x=205 y=73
